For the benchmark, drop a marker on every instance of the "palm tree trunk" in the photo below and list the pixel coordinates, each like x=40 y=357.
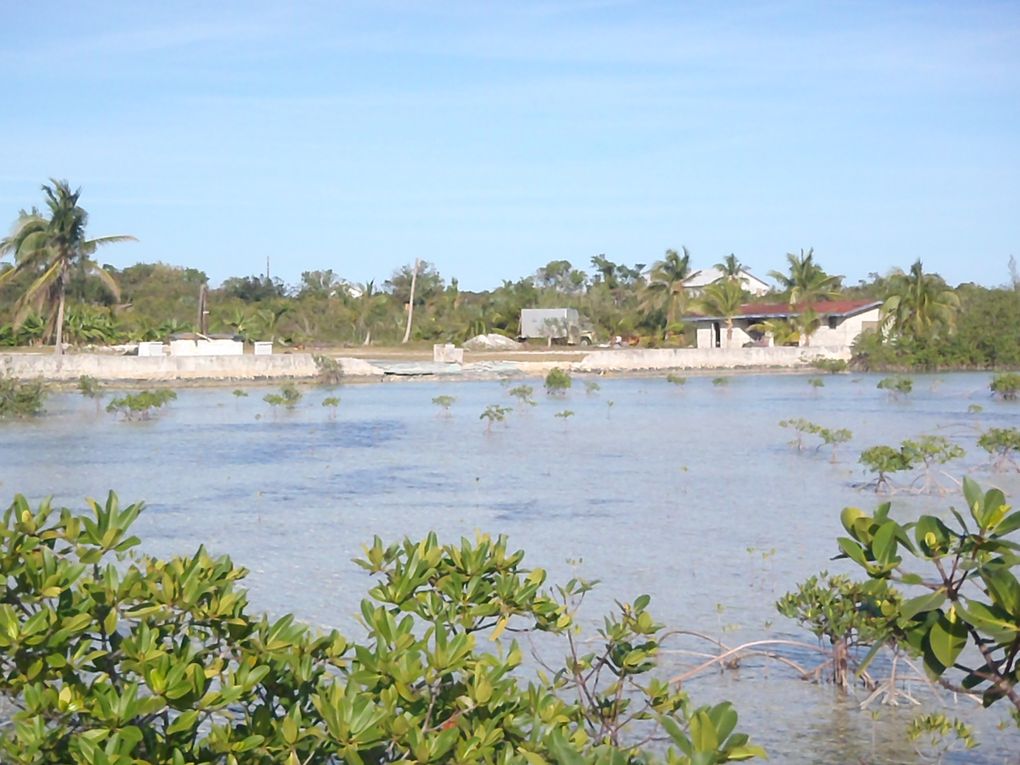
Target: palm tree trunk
x=59 y=341
x=410 y=302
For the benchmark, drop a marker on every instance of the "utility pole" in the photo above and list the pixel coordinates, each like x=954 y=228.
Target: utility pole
x=202 y=325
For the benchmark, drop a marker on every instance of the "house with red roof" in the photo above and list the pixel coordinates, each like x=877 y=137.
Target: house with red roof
x=840 y=322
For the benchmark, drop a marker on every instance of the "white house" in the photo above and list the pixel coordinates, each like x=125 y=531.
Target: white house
x=696 y=282
x=841 y=321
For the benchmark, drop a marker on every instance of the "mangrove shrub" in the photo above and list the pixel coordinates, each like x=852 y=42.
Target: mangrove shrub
x=110 y=657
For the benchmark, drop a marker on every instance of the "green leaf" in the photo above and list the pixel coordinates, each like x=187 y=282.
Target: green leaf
x=975 y=499
x=991 y=620
x=852 y=550
x=947 y=639
x=928 y=602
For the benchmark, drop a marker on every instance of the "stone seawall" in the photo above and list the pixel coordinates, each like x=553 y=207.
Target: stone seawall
x=301 y=366
x=636 y=360
x=71 y=366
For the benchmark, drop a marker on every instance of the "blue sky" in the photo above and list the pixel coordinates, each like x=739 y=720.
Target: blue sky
x=491 y=138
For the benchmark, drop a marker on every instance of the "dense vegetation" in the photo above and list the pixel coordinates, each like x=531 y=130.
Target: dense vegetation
x=51 y=272
x=114 y=658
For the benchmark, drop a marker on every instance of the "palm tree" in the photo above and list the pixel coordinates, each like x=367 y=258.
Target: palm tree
x=50 y=249
x=919 y=304
x=666 y=284
x=806 y=284
x=723 y=298
x=730 y=266
x=367 y=308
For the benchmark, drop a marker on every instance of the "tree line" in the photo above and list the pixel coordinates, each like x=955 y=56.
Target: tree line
x=53 y=290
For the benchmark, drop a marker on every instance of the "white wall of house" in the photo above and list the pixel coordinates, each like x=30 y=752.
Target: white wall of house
x=705 y=336
x=846 y=330
x=212 y=347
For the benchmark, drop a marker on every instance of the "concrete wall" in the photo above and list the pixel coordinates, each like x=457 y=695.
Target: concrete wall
x=70 y=367
x=706 y=358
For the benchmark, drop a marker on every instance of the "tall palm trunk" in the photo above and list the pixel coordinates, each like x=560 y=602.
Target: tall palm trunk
x=410 y=301
x=61 y=298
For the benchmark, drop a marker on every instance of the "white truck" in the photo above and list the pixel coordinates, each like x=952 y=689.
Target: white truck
x=555 y=325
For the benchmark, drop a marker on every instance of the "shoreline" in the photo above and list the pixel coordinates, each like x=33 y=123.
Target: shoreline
x=399 y=364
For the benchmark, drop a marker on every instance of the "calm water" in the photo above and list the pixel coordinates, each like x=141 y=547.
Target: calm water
x=691 y=494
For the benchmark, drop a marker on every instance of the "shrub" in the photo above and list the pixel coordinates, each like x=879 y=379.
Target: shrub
x=20 y=398
x=112 y=657
x=332 y=402
x=142 y=405
x=676 y=379
x=1006 y=386
x=494 y=413
x=884 y=460
x=897 y=386
x=330 y=371
x=90 y=387
x=523 y=394
x=557 y=382
x=968 y=597
x=444 y=402
x=832 y=366
x=846 y=613
x=1001 y=444
x=288 y=397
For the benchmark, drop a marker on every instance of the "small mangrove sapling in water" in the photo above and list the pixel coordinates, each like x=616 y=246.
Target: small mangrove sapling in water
x=720 y=381
x=332 y=402
x=897 y=386
x=444 y=402
x=288 y=397
x=20 y=398
x=494 y=413
x=1005 y=386
x=141 y=405
x=927 y=452
x=834 y=437
x=523 y=394
x=884 y=460
x=1002 y=444
x=676 y=379
x=238 y=393
x=557 y=382
x=845 y=613
x=591 y=387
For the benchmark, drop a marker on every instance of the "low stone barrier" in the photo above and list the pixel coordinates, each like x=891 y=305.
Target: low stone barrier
x=71 y=366
x=637 y=359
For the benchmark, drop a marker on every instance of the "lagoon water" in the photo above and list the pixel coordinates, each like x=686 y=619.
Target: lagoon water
x=690 y=493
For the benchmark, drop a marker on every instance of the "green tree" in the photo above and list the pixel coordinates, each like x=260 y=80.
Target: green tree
x=666 y=285
x=723 y=298
x=51 y=249
x=730 y=266
x=807 y=282
x=804 y=285
x=919 y=305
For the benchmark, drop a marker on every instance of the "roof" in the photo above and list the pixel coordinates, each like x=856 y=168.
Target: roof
x=707 y=276
x=840 y=308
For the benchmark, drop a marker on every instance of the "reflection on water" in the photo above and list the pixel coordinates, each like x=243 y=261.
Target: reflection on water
x=689 y=493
